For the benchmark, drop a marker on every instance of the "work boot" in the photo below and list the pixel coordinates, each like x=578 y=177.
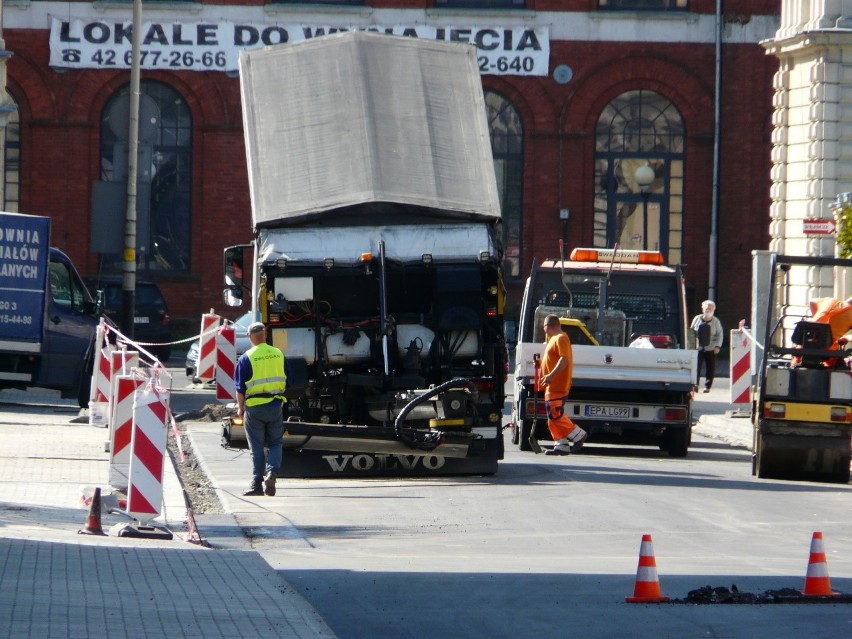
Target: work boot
x=558 y=449
x=255 y=489
x=577 y=444
x=269 y=483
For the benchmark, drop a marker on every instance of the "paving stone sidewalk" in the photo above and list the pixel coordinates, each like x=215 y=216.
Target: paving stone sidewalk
x=55 y=582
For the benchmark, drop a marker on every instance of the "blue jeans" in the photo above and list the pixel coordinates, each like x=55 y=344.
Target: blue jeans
x=264 y=426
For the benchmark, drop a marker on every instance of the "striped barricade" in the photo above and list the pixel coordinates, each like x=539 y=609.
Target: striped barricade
x=740 y=371
x=101 y=381
x=122 y=417
x=207 y=347
x=121 y=362
x=226 y=356
x=147 y=453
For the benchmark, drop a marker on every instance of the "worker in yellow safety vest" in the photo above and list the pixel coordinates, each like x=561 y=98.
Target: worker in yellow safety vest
x=260 y=382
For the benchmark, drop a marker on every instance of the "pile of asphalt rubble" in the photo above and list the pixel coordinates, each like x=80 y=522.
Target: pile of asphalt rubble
x=207 y=413
x=199 y=490
x=733 y=595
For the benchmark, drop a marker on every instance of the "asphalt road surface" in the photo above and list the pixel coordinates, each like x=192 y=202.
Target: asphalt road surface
x=548 y=547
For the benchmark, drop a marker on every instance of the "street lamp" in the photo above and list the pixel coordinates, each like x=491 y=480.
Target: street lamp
x=644 y=176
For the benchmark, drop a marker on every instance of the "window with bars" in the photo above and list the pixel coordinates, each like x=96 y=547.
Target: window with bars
x=165 y=152
x=639 y=130
x=507 y=142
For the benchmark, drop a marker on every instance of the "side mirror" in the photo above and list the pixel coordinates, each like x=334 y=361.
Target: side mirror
x=510 y=330
x=99 y=302
x=234 y=261
x=233 y=296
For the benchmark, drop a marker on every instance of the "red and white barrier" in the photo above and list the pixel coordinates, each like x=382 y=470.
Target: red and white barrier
x=226 y=364
x=206 y=369
x=740 y=370
x=148 y=446
x=121 y=363
x=122 y=417
x=100 y=332
x=101 y=380
x=102 y=377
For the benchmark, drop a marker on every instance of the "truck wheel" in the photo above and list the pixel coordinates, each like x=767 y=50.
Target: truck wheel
x=676 y=442
x=524 y=430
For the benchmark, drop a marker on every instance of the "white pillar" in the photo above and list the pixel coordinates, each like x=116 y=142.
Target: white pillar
x=811 y=123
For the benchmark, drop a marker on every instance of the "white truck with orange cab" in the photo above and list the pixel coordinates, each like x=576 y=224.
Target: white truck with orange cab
x=633 y=373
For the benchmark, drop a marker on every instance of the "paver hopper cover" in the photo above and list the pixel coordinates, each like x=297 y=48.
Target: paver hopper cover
x=366 y=122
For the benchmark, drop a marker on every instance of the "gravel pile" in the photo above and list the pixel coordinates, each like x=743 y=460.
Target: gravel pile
x=733 y=595
x=199 y=490
x=207 y=413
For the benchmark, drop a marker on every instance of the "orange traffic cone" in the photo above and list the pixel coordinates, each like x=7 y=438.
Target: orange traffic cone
x=817 y=583
x=647 y=589
x=93 y=523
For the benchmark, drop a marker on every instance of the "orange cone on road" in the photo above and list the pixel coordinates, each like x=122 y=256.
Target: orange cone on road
x=817 y=583
x=93 y=522
x=647 y=588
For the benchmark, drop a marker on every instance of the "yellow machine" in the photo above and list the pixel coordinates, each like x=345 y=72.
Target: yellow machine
x=577 y=331
x=802 y=413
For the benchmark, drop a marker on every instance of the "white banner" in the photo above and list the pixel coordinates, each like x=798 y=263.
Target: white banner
x=215 y=46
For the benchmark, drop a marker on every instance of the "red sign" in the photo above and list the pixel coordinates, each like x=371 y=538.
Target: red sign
x=818 y=226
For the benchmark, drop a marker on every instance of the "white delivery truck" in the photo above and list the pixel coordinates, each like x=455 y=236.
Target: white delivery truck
x=625 y=313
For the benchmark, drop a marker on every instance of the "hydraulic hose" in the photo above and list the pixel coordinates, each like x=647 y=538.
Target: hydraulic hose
x=427 y=440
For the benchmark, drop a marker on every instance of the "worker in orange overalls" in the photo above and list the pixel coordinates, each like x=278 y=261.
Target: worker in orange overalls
x=556 y=372
x=838 y=315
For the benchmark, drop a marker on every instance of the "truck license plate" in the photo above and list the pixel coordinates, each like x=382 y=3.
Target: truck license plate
x=608 y=411
x=140 y=320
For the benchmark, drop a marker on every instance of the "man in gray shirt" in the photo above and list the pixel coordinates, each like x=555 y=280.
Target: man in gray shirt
x=708 y=339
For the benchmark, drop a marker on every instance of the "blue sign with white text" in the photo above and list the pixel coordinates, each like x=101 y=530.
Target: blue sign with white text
x=24 y=255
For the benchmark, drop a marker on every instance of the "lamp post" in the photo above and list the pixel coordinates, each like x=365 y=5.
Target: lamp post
x=128 y=285
x=644 y=176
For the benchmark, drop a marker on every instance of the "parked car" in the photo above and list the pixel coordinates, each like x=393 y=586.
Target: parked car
x=151 y=320
x=241 y=341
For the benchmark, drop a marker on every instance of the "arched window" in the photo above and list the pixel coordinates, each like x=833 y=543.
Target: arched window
x=507 y=146
x=165 y=176
x=639 y=158
x=11 y=187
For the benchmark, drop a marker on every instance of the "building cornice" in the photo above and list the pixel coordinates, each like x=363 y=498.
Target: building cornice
x=808 y=40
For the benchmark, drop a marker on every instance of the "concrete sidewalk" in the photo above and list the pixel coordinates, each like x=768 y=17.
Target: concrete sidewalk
x=716 y=418
x=56 y=582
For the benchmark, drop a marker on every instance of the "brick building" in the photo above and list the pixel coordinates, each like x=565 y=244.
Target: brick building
x=580 y=94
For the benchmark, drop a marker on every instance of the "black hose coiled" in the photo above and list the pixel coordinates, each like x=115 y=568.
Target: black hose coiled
x=427 y=440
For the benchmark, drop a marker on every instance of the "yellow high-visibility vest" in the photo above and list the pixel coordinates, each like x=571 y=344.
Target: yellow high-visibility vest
x=268 y=379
